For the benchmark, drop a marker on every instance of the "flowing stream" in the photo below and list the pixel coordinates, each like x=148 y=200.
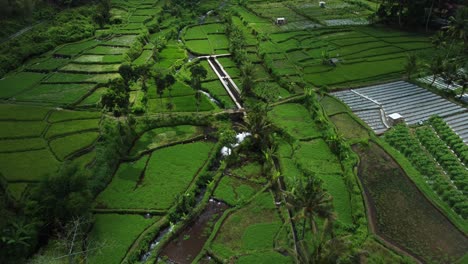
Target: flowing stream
x=187 y=245
x=155 y=242
x=210 y=97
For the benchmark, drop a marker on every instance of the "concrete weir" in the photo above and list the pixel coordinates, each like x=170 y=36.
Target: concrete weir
x=227 y=82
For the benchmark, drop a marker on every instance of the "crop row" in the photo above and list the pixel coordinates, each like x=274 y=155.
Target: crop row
x=450 y=138
x=402 y=140
x=444 y=156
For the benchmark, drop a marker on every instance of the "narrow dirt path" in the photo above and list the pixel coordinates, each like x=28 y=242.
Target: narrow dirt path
x=21 y=32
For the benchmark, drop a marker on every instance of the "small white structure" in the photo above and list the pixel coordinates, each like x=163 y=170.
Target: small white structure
x=280 y=21
x=395 y=119
x=322 y=4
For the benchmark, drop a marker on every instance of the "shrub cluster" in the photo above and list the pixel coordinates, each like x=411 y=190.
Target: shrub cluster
x=401 y=139
x=451 y=164
x=67 y=26
x=450 y=138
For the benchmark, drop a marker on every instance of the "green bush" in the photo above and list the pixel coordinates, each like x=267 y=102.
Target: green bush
x=67 y=26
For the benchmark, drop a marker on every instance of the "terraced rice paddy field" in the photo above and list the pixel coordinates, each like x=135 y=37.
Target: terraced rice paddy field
x=43 y=139
x=194 y=179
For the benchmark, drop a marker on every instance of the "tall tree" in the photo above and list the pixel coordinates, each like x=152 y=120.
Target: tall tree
x=449 y=73
x=435 y=67
x=411 y=65
x=458 y=25
x=198 y=73
x=160 y=86
x=170 y=81
x=324 y=247
x=309 y=200
x=259 y=126
x=128 y=73
x=247 y=79
x=463 y=80
x=116 y=98
x=144 y=72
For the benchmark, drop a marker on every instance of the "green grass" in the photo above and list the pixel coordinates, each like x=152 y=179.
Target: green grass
x=124 y=40
x=18 y=129
x=85 y=159
x=201 y=31
x=72 y=126
x=49 y=64
x=75 y=48
x=211 y=76
x=170 y=56
x=17 y=83
x=335 y=185
x=349 y=127
x=12 y=145
x=260 y=236
x=28 y=166
x=56 y=93
x=17 y=189
x=143 y=58
x=271 y=91
x=168 y=174
x=295 y=119
x=117 y=232
x=332 y=106
x=106 y=50
x=356 y=72
x=234 y=191
x=314 y=156
x=90 y=68
x=81 y=78
x=215 y=88
x=66 y=115
x=251 y=171
x=181 y=104
x=199 y=46
x=252 y=227
x=99 y=59
x=65 y=146
x=264 y=258
x=366 y=54
x=94 y=98
x=22 y=112
x=178 y=89
x=164 y=135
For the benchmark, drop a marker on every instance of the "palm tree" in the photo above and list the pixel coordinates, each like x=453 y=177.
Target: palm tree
x=170 y=80
x=198 y=99
x=458 y=28
x=449 y=73
x=411 y=65
x=439 y=40
x=198 y=73
x=259 y=126
x=310 y=200
x=17 y=236
x=458 y=25
x=429 y=16
x=436 y=68
x=247 y=78
x=323 y=248
x=269 y=166
x=160 y=86
x=463 y=80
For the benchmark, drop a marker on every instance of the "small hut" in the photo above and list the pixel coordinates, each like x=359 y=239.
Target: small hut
x=280 y=21
x=395 y=119
x=322 y=4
